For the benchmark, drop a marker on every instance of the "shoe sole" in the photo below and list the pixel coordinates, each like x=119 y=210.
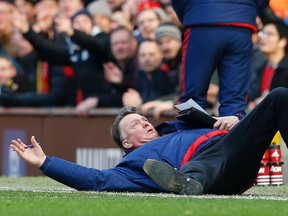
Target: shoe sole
x=170 y=179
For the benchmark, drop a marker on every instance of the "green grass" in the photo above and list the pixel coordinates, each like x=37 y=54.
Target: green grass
x=42 y=196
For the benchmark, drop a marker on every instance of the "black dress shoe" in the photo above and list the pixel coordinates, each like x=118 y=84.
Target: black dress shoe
x=170 y=179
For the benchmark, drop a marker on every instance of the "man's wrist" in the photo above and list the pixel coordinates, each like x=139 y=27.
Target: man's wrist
x=44 y=163
x=240 y=116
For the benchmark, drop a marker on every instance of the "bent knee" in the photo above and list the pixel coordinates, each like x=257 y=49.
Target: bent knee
x=281 y=92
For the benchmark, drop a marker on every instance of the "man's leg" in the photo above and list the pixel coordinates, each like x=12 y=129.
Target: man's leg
x=234 y=72
x=230 y=166
x=246 y=143
x=198 y=63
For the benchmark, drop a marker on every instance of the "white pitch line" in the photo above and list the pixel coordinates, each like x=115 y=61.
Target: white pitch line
x=160 y=195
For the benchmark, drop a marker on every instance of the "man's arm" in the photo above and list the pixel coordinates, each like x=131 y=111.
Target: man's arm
x=76 y=176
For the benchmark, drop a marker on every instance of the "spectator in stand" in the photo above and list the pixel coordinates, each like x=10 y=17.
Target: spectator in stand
x=11 y=82
x=27 y=7
x=120 y=73
x=168 y=37
x=120 y=19
x=274 y=72
x=6 y=32
x=152 y=82
x=124 y=71
x=147 y=22
x=83 y=52
x=46 y=11
x=6 y=27
x=101 y=14
x=16 y=90
x=48 y=80
x=57 y=92
x=27 y=58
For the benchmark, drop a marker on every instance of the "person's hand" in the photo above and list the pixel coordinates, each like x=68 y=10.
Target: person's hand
x=64 y=25
x=226 y=123
x=86 y=105
x=34 y=156
x=20 y=21
x=157 y=107
x=131 y=98
x=112 y=73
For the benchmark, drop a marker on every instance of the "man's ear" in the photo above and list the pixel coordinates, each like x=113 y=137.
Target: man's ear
x=127 y=144
x=283 y=42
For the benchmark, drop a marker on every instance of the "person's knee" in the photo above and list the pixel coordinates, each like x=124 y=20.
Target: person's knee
x=280 y=92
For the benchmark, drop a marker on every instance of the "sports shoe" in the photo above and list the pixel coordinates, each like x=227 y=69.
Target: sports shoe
x=170 y=179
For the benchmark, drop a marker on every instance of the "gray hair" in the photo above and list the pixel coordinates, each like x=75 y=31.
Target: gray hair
x=116 y=132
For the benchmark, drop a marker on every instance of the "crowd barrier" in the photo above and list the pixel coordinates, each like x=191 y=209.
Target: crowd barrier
x=85 y=140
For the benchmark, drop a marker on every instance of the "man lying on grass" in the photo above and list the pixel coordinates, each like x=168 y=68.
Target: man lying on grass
x=179 y=158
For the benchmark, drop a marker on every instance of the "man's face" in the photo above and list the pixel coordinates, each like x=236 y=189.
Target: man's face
x=170 y=47
x=120 y=19
x=7 y=71
x=149 y=56
x=102 y=21
x=5 y=17
x=147 y=22
x=138 y=130
x=121 y=44
x=269 y=40
x=83 y=23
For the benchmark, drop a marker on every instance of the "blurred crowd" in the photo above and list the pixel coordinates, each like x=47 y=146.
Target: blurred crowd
x=109 y=53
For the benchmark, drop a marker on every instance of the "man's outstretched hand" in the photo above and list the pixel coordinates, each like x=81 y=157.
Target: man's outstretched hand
x=33 y=155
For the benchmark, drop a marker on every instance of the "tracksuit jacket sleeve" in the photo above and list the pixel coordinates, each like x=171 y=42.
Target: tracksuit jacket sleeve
x=88 y=179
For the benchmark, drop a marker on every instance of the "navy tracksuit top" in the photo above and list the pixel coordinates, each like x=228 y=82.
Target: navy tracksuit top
x=175 y=148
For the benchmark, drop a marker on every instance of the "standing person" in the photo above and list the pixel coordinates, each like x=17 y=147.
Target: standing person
x=218 y=35
x=274 y=72
x=210 y=161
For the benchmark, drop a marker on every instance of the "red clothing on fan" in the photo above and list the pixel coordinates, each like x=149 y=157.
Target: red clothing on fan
x=267 y=78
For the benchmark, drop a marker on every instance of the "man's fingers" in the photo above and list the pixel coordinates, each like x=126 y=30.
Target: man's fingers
x=34 y=142
x=17 y=145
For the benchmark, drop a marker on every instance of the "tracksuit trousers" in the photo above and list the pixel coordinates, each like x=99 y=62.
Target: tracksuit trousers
x=225 y=48
x=231 y=165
